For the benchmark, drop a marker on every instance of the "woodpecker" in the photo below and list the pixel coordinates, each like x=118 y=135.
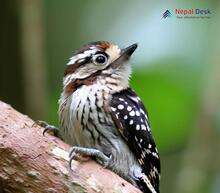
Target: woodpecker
x=103 y=118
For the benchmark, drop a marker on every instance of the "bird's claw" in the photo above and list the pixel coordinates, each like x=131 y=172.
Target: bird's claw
x=107 y=162
x=76 y=153
x=48 y=128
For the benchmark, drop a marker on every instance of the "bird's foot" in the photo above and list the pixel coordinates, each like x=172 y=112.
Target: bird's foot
x=78 y=152
x=48 y=128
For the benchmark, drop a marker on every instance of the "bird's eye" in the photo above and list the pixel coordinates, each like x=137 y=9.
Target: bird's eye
x=100 y=59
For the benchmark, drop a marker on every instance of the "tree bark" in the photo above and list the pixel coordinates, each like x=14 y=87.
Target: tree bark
x=33 y=163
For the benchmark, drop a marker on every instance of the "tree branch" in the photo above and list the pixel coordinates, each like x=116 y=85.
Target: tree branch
x=30 y=162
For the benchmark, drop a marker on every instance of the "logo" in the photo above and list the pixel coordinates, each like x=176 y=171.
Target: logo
x=188 y=13
x=166 y=14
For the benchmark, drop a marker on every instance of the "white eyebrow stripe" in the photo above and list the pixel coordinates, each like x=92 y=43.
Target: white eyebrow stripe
x=85 y=54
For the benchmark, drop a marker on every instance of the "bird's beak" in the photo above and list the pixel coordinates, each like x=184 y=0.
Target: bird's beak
x=127 y=52
x=124 y=55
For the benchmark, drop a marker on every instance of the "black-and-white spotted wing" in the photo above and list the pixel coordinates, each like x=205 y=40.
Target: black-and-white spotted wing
x=131 y=119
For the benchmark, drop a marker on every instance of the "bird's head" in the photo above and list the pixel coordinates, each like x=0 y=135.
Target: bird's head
x=98 y=60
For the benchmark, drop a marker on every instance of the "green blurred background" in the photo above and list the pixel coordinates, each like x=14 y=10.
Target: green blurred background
x=176 y=72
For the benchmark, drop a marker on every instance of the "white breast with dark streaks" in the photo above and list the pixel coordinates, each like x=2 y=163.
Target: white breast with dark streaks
x=85 y=126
